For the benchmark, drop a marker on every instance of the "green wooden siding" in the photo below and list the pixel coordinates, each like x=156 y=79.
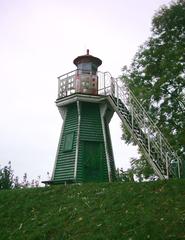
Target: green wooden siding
x=91 y=131
x=66 y=155
x=91 y=161
x=110 y=151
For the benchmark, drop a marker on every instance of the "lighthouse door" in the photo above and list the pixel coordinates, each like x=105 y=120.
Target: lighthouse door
x=93 y=161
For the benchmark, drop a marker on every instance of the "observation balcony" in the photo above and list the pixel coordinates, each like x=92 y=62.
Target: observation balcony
x=85 y=83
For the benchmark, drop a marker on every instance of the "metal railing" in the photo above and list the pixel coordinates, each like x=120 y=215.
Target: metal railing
x=67 y=83
x=148 y=136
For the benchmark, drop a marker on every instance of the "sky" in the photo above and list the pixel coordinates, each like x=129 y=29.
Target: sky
x=39 y=40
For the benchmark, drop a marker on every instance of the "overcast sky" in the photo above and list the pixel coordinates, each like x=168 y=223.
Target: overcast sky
x=38 y=41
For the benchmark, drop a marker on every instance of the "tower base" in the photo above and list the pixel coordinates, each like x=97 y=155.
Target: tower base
x=85 y=151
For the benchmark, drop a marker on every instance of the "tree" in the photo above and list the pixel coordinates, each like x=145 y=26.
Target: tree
x=6 y=177
x=124 y=176
x=157 y=75
x=142 y=170
x=8 y=181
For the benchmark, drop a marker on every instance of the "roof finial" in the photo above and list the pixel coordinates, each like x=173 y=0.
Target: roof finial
x=87 y=51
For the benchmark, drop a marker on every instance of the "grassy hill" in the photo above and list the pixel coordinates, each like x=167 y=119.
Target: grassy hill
x=154 y=210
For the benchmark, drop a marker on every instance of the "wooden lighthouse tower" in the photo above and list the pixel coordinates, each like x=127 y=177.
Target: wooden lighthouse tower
x=86 y=101
x=84 y=151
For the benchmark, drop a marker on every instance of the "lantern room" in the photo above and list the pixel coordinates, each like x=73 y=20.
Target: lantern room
x=86 y=79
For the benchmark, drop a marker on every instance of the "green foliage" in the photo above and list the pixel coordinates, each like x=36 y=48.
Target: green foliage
x=6 y=177
x=8 y=181
x=153 y=210
x=124 y=176
x=157 y=75
x=142 y=170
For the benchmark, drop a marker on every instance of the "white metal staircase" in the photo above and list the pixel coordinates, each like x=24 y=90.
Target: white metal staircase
x=149 y=138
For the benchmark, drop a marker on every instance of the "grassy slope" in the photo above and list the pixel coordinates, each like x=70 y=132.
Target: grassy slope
x=154 y=210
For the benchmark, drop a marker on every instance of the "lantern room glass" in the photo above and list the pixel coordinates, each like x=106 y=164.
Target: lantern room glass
x=87 y=68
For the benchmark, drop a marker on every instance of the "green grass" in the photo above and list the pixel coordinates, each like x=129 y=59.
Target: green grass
x=154 y=210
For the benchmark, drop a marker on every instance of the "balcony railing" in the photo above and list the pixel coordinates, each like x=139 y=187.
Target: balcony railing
x=67 y=83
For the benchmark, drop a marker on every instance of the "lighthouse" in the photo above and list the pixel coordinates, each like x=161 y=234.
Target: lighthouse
x=84 y=151
x=87 y=100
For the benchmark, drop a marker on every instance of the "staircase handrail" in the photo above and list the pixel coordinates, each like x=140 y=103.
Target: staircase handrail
x=131 y=102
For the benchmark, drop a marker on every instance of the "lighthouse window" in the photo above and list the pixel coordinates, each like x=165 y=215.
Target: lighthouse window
x=85 y=68
x=68 y=141
x=94 y=68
